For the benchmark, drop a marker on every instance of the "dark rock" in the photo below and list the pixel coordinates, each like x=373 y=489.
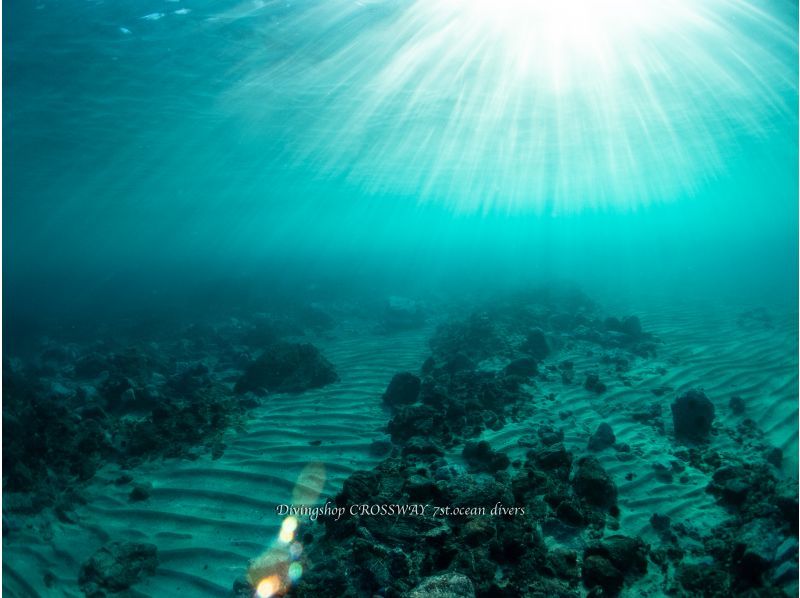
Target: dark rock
x=360 y=487
x=599 y=571
x=737 y=405
x=631 y=326
x=602 y=438
x=447 y=585
x=552 y=457
x=458 y=363
x=380 y=448
x=660 y=522
x=692 y=414
x=91 y=365
x=570 y=512
x=592 y=483
x=563 y=563
x=116 y=567
x=287 y=367
x=420 y=489
x=628 y=555
x=402 y=390
x=703 y=580
x=549 y=435
x=774 y=456
x=469 y=491
x=140 y=492
x=481 y=457
x=242 y=588
x=754 y=550
x=525 y=367
x=594 y=384
x=419 y=445
x=478 y=530
x=536 y=345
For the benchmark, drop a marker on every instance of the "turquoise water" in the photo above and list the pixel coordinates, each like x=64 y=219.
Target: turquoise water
x=217 y=140
x=180 y=172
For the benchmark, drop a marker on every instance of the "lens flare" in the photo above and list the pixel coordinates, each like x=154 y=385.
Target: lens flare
x=288 y=528
x=269 y=586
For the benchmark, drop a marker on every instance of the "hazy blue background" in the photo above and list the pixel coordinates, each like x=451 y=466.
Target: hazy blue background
x=137 y=174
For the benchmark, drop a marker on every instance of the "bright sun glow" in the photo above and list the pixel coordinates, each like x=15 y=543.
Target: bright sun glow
x=529 y=105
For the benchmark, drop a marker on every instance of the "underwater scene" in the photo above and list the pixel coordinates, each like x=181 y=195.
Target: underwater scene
x=400 y=298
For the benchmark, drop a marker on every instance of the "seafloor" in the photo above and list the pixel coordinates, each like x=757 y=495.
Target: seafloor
x=653 y=449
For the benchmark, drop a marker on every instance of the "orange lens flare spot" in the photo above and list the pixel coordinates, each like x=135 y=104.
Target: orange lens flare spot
x=269 y=586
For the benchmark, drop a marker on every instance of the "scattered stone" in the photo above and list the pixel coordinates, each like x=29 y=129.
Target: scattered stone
x=481 y=457
x=594 y=384
x=549 y=435
x=380 y=448
x=140 y=491
x=602 y=438
x=116 y=567
x=737 y=405
x=693 y=414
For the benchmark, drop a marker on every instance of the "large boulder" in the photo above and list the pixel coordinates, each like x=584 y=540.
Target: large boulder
x=536 y=344
x=403 y=389
x=116 y=567
x=692 y=414
x=287 y=367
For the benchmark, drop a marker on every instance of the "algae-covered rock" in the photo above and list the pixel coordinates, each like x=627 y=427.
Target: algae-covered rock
x=287 y=367
x=448 y=585
x=116 y=567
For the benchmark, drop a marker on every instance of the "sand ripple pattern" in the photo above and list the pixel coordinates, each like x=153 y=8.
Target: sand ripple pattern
x=209 y=517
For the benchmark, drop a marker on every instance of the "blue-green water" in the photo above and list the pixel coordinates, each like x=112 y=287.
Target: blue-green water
x=190 y=161
x=229 y=139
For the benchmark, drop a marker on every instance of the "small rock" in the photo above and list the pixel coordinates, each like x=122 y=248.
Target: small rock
x=602 y=438
x=140 y=492
x=593 y=384
x=737 y=405
x=549 y=435
x=116 y=567
x=481 y=456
